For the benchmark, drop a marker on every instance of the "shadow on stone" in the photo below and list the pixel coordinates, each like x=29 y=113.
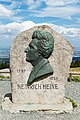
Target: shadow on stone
x=39 y=79
x=9 y=95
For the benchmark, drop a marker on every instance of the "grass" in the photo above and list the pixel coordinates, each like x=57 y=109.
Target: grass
x=74 y=78
x=77 y=69
x=4 y=77
x=74 y=104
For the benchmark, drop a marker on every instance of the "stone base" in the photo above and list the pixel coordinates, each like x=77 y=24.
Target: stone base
x=66 y=106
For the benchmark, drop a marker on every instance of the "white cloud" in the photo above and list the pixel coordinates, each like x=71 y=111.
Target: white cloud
x=29 y=2
x=14 y=4
x=5 y=29
x=54 y=8
x=4 y=11
x=16 y=18
x=8 y=32
x=14 y=28
x=26 y=25
x=61 y=12
x=60 y=2
x=6 y=0
x=33 y=3
x=51 y=2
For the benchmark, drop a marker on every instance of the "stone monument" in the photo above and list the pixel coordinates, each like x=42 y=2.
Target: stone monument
x=40 y=59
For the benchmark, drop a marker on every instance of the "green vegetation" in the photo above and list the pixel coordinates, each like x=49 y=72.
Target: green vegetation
x=4 y=77
x=74 y=78
x=4 y=65
x=74 y=104
x=77 y=69
x=75 y=64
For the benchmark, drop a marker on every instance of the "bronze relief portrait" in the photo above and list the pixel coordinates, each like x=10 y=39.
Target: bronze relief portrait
x=37 y=53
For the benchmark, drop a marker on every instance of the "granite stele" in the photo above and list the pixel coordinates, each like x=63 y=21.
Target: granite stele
x=40 y=59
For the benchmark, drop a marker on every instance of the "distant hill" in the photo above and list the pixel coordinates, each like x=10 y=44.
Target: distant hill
x=4 y=60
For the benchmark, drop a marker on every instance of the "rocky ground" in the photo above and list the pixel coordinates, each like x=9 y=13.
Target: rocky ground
x=72 y=91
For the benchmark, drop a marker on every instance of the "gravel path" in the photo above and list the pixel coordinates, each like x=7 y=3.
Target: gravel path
x=72 y=91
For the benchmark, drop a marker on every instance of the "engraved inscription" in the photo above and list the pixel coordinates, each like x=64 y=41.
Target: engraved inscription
x=21 y=70
x=53 y=78
x=38 y=86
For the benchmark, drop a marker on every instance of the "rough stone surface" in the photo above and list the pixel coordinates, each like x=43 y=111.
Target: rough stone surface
x=55 y=108
x=20 y=69
x=72 y=91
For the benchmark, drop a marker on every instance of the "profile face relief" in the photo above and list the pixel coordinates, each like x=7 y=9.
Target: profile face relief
x=37 y=53
x=32 y=52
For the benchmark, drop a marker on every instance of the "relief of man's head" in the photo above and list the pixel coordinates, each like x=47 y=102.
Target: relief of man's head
x=42 y=44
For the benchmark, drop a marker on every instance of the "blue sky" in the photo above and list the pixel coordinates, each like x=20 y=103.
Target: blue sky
x=18 y=15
